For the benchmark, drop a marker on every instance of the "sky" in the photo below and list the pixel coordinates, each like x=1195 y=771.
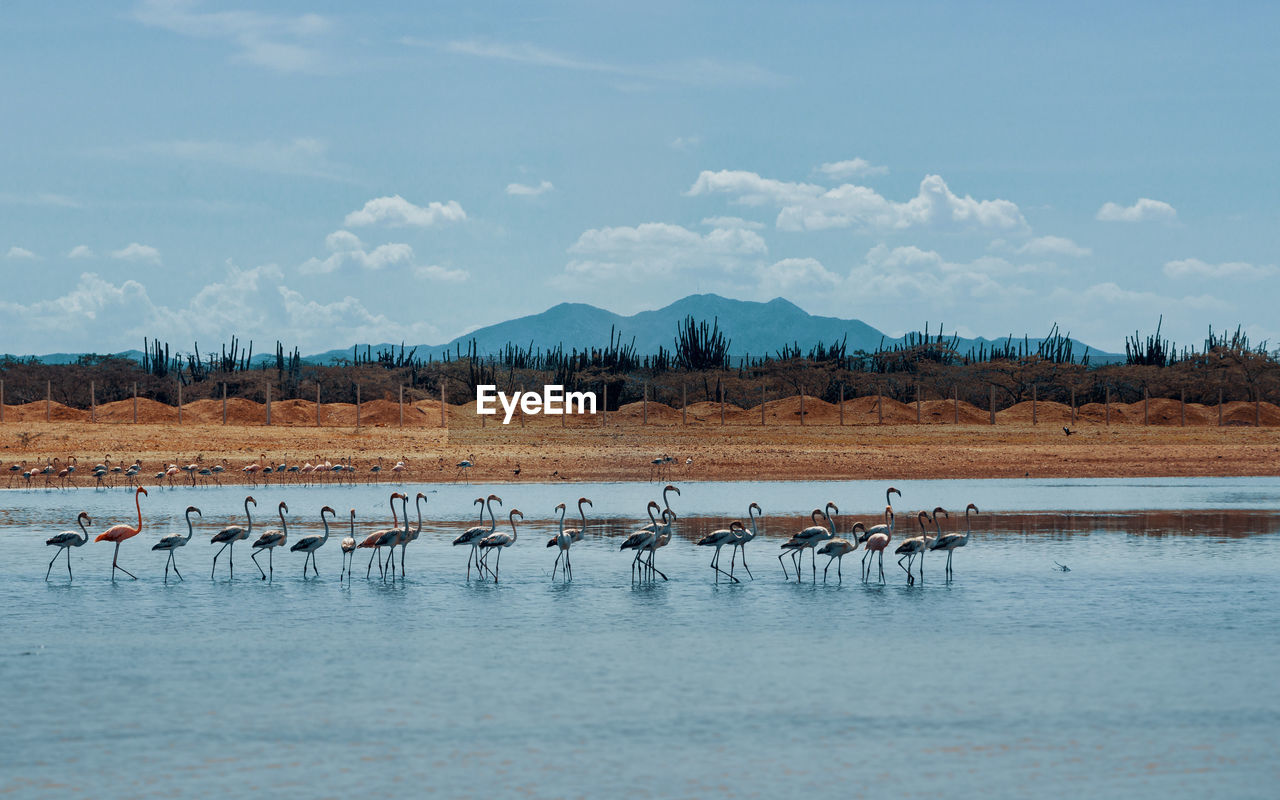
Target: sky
x=324 y=173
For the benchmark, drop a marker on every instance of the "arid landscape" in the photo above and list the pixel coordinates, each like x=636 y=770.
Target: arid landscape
x=1103 y=441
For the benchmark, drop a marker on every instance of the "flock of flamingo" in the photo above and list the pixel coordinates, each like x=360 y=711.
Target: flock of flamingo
x=486 y=542
x=59 y=474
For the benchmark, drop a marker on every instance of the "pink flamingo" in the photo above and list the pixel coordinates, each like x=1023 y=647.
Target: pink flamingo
x=374 y=540
x=118 y=533
x=876 y=540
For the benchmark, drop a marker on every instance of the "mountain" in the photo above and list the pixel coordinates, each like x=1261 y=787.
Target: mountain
x=752 y=329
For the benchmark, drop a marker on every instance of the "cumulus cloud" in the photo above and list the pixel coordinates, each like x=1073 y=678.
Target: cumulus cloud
x=807 y=206
x=80 y=251
x=137 y=253
x=731 y=222
x=1145 y=210
x=524 y=190
x=795 y=274
x=20 y=254
x=656 y=249
x=395 y=211
x=1195 y=268
x=434 y=272
x=346 y=248
x=281 y=43
x=349 y=320
x=853 y=168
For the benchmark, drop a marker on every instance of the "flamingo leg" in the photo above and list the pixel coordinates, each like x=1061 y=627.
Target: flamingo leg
x=824 y=569
x=865 y=556
x=655 y=569
x=313 y=565
x=555 y=565
x=882 y=566
x=215 y=562
x=254 y=557
x=175 y=567
x=55 y=558
x=906 y=569
x=568 y=566
x=840 y=569
x=115 y=566
x=271 y=561
x=68 y=549
x=743 y=549
x=497 y=565
x=781 y=563
x=369 y=568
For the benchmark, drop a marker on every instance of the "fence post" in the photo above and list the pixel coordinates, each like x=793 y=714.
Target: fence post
x=443 y=422
x=684 y=404
x=317 y=404
x=955 y=399
x=1219 y=406
x=801 y=406
x=268 y=404
x=1073 y=405
x=604 y=406
x=402 y=408
x=917 y=404
x=135 y=402
x=644 y=406
x=358 y=407
x=991 y=403
x=179 y=402
x=1106 y=399
x=1035 y=406
x=722 y=405
x=1182 y=408
x=842 y=405
x=762 y=402
x=1146 y=405
x=224 y=403
x=1257 y=408
x=522 y=409
x=48 y=401
x=2 y=401
x=879 y=406
x=93 y=402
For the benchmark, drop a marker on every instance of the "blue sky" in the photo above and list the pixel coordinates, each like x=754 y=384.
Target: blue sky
x=326 y=174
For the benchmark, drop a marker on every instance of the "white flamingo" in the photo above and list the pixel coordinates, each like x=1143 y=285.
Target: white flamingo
x=374 y=540
x=914 y=546
x=951 y=541
x=563 y=539
x=744 y=536
x=472 y=536
x=837 y=549
x=661 y=538
x=349 y=548
x=718 y=539
x=172 y=542
x=501 y=541
x=270 y=540
x=642 y=537
x=65 y=541
x=228 y=537
x=310 y=544
x=809 y=538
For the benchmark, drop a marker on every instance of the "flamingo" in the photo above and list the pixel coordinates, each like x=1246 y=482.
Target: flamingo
x=837 y=549
x=348 y=548
x=575 y=534
x=173 y=542
x=662 y=538
x=809 y=538
x=66 y=540
x=376 y=468
x=744 y=536
x=953 y=540
x=270 y=540
x=642 y=537
x=374 y=539
x=501 y=541
x=410 y=535
x=310 y=544
x=562 y=540
x=15 y=470
x=912 y=546
x=228 y=537
x=118 y=533
x=719 y=539
x=876 y=539
x=466 y=464
x=392 y=537
x=653 y=526
x=475 y=534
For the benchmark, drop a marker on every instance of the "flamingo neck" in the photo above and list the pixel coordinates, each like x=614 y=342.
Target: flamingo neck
x=137 y=501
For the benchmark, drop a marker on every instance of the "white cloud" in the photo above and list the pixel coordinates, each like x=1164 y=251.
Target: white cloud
x=853 y=168
x=20 y=254
x=1052 y=246
x=80 y=251
x=524 y=190
x=795 y=274
x=1195 y=268
x=138 y=253
x=348 y=320
x=396 y=211
x=346 y=248
x=691 y=71
x=685 y=142
x=807 y=206
x=434 y=272
x=1144 y=210
x=656 y=249
x=282 y=43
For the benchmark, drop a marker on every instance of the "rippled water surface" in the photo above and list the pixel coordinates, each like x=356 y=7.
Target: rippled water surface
x=1147 y=670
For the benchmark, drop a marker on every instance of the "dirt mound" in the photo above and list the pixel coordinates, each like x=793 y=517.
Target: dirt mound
x=1046 y=412
x=1238 y=412
x=293 y=412
x=203 y=412
x=35 y=412
x=381 y=413
x=945 y=411
x=149 y=411
x=659 y=413
x=1097 y=413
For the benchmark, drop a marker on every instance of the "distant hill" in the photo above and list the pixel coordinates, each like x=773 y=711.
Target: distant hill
x=752 y=328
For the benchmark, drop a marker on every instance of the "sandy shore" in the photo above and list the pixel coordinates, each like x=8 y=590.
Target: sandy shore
x=624 y=452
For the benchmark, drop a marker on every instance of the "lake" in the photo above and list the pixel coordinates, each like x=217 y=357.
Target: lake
x=1147 y=670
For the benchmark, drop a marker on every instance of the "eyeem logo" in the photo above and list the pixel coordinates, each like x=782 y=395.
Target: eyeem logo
x=553 y=400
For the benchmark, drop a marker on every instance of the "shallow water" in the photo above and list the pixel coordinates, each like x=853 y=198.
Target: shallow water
x=1147 y=670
